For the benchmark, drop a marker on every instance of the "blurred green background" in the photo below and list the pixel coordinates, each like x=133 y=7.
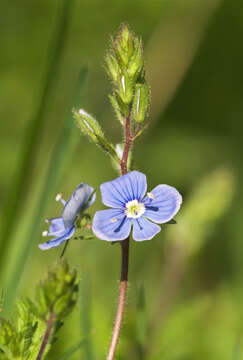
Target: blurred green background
x=186 y=294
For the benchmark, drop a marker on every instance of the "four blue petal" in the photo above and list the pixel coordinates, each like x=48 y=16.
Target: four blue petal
x=160 y=206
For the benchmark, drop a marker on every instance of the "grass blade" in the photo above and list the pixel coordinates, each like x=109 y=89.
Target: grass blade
x=34 y=131
x=13 y=268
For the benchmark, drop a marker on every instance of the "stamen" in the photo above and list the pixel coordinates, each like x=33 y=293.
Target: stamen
x=58 y=197
x=150 y=195
x=45 y=233
x=134 y=209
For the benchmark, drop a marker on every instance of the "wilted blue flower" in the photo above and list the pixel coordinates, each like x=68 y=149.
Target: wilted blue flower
x=125 y=195
x=63 y=228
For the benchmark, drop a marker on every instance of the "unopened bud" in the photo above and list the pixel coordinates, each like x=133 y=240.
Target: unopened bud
x=135 y=65
x=126 y=88
x=140 y=102
x=126 y=39
x=88 y=124
x=90 y=127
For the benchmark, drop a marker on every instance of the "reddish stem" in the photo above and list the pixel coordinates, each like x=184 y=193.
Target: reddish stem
x=125 y=257
x=133 y=137
x=49 y=326
x=121 y=300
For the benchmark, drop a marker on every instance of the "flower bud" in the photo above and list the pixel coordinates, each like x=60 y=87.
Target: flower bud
x=126 y=39
x=90 y=127
x=126 y=88
x=121 y=54
x=141 y=102
x=135 y=65
x=88 y=124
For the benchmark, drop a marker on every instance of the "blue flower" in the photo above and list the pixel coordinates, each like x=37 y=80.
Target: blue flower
x=63 y=228
x=125 y=195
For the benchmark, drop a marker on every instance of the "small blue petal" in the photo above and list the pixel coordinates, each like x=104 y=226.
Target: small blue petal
x=144 y=229
x=57 y=241
x=56 y=225
x=76 y=203
x=111 y=225
x=128 y=187
x=165 y=204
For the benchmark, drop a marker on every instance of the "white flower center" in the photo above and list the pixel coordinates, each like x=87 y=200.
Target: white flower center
x=134 y=209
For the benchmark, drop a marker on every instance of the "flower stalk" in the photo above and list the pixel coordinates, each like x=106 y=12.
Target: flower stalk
x=121 y=299
x=131 y=207
x=125 y=258
x=127 y=55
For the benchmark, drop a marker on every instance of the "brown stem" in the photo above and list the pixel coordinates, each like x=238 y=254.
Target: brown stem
x=125 y=259
x=121 y=300
x=49 y=326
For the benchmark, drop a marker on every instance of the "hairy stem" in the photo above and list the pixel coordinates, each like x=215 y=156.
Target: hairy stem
x=121 y=300
x=49 y=326
x=125 y=258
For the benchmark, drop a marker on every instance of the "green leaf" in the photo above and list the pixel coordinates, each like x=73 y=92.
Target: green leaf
x=35 y=129
x=55 y=298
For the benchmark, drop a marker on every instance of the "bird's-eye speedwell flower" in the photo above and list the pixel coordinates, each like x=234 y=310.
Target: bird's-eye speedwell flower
x=63 y=228
x=125 y=195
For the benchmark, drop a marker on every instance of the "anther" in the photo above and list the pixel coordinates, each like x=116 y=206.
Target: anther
x=58 y=197
x=150 y=195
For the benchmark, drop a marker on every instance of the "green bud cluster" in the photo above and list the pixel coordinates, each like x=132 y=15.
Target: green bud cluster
x=55 y=299
x=125 y=67
x=130 y=97
x=58 y=293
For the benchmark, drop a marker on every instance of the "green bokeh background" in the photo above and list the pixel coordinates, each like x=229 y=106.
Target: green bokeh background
x=194 y=59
